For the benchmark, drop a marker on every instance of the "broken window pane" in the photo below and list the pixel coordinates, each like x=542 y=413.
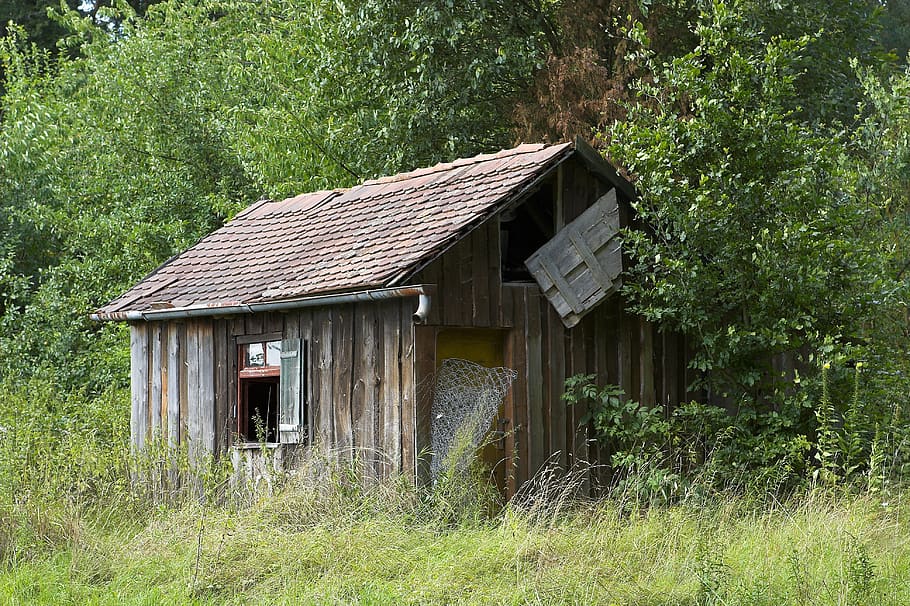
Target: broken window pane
x=273 y=353
x=255 y=355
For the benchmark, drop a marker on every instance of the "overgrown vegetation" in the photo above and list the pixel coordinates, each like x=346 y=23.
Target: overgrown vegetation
x=771 y=146
x=75 y=531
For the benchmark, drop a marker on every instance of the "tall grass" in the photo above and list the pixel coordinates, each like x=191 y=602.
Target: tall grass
x=83 y=522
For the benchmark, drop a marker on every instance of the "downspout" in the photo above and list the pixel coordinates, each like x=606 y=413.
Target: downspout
x=422 y=291
x=423 y=308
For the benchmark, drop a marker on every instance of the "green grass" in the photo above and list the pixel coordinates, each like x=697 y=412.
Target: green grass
x=385 y=547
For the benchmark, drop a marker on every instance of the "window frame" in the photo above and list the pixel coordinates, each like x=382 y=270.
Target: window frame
x=245 y=375
x=248 y=374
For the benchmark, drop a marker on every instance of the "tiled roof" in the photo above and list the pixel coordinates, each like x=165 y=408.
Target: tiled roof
x=342 y=240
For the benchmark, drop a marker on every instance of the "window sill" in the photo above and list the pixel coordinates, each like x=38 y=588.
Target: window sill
x=254 y=445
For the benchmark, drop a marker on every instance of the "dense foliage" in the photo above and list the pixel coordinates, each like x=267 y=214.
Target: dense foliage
x=769 y=141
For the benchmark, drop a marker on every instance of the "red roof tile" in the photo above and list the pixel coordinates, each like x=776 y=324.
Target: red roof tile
x=336 y=241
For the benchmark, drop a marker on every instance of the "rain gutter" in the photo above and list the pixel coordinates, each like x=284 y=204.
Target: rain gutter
x=422 y=291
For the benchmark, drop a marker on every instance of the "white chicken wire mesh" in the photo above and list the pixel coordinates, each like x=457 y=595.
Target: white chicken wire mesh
x=466 y=399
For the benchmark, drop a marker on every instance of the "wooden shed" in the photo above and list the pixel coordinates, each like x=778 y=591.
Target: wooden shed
x=323 y=318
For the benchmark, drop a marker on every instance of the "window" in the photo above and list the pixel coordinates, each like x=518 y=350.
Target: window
x=271 y=390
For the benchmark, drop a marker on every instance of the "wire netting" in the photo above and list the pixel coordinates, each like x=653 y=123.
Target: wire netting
x=466 y=399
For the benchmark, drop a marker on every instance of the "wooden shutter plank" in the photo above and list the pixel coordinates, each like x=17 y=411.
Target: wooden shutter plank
x=289 y=393
x=580 y=265
x=600 y=275
x=561 y=285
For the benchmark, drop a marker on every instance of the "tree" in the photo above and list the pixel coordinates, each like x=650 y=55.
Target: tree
x=124 y=154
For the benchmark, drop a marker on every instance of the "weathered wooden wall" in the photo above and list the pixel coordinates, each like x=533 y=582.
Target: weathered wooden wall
x=361 y=383
x=615 y=346
x=371 y=371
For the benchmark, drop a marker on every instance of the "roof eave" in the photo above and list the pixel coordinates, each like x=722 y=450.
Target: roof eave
x=199 y=311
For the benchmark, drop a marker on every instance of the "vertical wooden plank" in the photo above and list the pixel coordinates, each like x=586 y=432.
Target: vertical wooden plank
x=556 y=373
x=343 y=380
x=625 y=326
x=466 y=294
x=155 y=376
x=578 y=436
x=194 y=413
x=507 y=311
x=183 y=383
x=479 y=278
x=535 y=381
x=139 y=392
x=547 y=385
x=274 y=322
x=222 y=370
x=432 y=275
x=670 y=362
x=518 y=350
x=324 y=390
x=254 y=324
x=173 y=384
x=646 y=363
x=425 y=370
x=494 y=271
x=297 y=325
x=605 y=362
x=585 y=432
x=390 y=387
x=367 y=359
x=451 y=291
x=207 y=386
x=165 y=369
x=408 y=396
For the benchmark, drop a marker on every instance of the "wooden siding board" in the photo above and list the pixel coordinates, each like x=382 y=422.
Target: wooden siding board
x=173 y=384
x=518 y=355
x=507 y=308
x=342 y=390
x=626 y=353
x=425 y=375
x=139 y=371
x=466 y=285
x=155 y=376
x=535 y=371
x=479 y=279
x=646 y=363
x=298 y=325
x=670 y=362
x=194 y=428
x=390 y=388
x=165 y=377
x=578 y=435
x=254 y=324
x=494 y=272
x=323 y=375
x=556 y=373
x=449 y=278
x=183 y=382
x=220 y=362
x=408 y=396
x=431 y=275
x=206 y=386
x=367 y=355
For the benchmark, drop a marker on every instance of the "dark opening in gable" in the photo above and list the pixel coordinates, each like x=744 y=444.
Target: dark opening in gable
x=523 y=230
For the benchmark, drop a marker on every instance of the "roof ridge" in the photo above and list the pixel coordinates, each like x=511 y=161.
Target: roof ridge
x=524 y=148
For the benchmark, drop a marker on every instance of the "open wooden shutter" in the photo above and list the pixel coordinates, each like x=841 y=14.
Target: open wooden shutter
x=581 y=265
x=291 y=426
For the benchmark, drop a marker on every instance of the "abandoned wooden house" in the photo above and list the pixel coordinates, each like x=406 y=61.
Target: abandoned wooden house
x=323 y=318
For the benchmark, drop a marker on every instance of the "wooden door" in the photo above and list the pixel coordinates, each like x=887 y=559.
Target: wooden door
x=485 y=347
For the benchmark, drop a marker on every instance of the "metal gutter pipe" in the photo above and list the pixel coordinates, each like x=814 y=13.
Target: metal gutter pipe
x=422 y=291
